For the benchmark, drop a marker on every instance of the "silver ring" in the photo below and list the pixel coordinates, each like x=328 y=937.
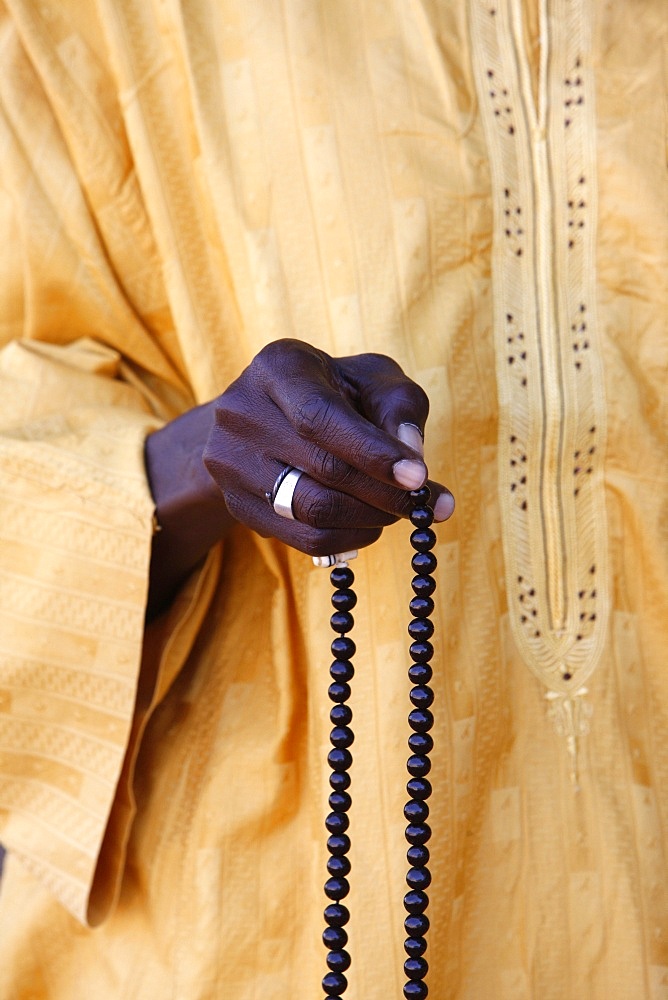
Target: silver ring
x=337 y=559
x=284 y=491
x=279 y=479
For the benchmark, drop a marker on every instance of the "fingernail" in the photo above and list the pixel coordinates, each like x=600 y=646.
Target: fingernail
x=410 y=435
x=409 y=474
x=444 y=506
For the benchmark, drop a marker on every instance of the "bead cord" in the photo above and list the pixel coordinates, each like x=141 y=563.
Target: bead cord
x=339 y=758
x=420 y=743
x=416 y=810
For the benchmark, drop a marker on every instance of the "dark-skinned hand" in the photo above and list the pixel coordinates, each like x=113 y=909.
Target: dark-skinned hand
x=353 y=425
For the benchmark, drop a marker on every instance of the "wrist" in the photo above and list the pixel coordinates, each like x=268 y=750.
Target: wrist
x=190 y=511
x=182 y=489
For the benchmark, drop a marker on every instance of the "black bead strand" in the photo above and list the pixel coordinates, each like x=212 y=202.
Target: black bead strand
x=339 y=758
x=421 y=720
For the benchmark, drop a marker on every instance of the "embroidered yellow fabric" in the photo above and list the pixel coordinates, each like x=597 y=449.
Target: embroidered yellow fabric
x=477 y=189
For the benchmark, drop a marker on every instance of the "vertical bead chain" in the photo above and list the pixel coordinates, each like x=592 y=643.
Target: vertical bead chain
x=339 y=758
x=421 y=720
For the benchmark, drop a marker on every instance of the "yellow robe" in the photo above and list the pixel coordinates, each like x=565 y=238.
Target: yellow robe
x=479 y=191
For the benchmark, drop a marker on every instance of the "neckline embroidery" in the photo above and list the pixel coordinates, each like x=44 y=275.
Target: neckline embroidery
x=549 y=373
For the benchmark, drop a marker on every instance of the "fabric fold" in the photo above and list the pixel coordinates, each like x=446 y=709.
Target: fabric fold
x=76 y=523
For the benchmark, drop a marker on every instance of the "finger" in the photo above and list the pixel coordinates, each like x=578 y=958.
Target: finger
x=326 y=470
x=313 y=503
x=388 y=398
x=252 y=432
x=401 y=407
x=258 y=515
x=322 y=507
x=333 y=494
x=320 y=403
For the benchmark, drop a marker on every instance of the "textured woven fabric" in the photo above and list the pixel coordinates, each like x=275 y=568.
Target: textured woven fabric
x=477 y=189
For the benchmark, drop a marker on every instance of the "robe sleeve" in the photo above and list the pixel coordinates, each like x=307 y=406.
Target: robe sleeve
x=76 y=522
x=89 y=365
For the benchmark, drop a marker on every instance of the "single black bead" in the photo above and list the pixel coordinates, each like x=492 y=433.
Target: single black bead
x=416 y=901
x=341 y=865
x=338 y=844
x=342 y=736
x=415 y=990
x=418 y=878
x=418 y=765
x=423 y=586
x=416 y=855
x=421 y=496
x=334 y=937
x=416 y=968
x=420 y=720
x=420 y=742
x=421 y=607
x=339 y=887
x=341 y=715
x=422 y=517
x=415 y=946
x=421 y=629
x=423 y=539
x=339 y=692
x=421 y=696
x=418 y=833
x=343 y=647
x=416 y=924
x=414 y=811
x=421 y=651
x=342 y=621
x=339 y=759
x=418 y=788
x=340 y=801
x=338 y=960
x=339 y=780
x=424 y=562
x=342 y=577
x=341 y=670
x=334 y=983
x=344 y=600
x=337 y=915
x=420 y=673
x=339 y=822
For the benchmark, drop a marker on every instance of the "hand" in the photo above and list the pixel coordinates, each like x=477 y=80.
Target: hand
x=354 y=425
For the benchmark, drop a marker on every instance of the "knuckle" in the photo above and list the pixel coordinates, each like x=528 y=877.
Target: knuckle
x=323 y=542
x=404 y=505
x=233 y=409
x=319 y=508
x=217 y=465
x=364 y=453
x=420 y=397
x=327 y=468
x=313 y=417
x=383 y=361
x=371 y=363
x=224 y=457
x=317 y=544
x=279 y=357
x=411 y=396
x=236 y=505
x=268 y=359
